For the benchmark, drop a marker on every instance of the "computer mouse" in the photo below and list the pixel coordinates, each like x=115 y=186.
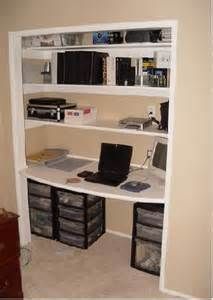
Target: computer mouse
x=134 y=186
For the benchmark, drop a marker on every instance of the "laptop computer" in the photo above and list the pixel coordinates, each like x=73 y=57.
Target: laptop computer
x=113 y=167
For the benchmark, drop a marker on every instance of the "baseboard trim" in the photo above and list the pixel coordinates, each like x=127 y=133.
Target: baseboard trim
x=119 y=233
x=177 y=294
x=164 y=290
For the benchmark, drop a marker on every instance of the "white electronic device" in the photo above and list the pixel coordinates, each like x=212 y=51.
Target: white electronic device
x=135 y=123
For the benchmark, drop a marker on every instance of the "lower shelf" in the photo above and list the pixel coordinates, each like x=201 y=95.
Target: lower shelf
x=104 y=125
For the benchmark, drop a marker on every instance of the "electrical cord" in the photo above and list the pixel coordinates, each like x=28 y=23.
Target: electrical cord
x=25 y=256
x=148 y=156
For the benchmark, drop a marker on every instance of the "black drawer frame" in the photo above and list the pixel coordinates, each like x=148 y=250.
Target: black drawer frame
x=152 y=207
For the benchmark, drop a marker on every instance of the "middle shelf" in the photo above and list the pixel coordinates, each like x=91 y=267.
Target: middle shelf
x=30 y=88
x=101 y=125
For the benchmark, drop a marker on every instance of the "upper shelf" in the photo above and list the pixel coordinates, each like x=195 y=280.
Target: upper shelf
x=98 y=46
x=29 y=88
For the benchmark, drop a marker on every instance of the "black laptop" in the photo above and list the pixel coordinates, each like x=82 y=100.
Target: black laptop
x=113 y=167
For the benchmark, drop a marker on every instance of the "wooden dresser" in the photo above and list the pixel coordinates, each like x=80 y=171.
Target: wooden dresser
x=10 y=275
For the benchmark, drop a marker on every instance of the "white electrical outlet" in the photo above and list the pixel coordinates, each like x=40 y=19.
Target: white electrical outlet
x=151 y=111
x=163 y=59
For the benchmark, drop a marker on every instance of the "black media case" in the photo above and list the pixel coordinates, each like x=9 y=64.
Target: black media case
x=72 y=218
x=147 y=237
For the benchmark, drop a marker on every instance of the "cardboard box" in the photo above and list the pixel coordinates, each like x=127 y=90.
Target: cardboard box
x=80 y=115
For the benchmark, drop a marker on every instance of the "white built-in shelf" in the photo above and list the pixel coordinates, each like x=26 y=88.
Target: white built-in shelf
x=104 y=125
x=29 y=88
x=99 y=46
x=58 y=178
x=45 y=53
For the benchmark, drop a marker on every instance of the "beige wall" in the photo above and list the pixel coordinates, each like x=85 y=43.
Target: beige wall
x=188 y=263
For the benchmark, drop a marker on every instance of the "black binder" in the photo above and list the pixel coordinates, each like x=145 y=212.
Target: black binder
x=81 y=67
x=125 y=73
x=61 y=68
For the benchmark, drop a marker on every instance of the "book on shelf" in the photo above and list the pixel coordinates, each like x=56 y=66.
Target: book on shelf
x=154 y=76
x=111 y=80
x=125 y=72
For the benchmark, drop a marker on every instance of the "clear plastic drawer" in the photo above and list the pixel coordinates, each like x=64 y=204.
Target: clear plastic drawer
x=78 y=214
x=41 y=222
x=39 y=189
x=40 y=203
x=79 y=228
x=72 y=199
x=75 y=199
x=148 y=256
x=79 y=241
x=149 y=233
x=45 y=231
x=154 y=218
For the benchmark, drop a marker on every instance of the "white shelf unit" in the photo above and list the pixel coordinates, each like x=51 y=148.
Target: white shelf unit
x=19 y=125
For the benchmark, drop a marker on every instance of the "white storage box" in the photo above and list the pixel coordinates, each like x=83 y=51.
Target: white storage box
x=80 y=115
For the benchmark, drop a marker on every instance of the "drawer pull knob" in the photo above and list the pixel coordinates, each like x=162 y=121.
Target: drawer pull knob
x=2 y=246
x=4 y=285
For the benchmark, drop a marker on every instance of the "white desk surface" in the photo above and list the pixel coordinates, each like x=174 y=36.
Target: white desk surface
x=58 y=178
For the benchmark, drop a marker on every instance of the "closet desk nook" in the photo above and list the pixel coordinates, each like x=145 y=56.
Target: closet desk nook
x=80 y=87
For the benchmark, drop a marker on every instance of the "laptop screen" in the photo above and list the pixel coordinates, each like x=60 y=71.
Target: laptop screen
x=115 y=159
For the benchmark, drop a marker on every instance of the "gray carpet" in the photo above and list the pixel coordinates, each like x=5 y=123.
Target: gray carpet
x=60 y=271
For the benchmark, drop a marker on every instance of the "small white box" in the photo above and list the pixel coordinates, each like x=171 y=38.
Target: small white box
x=80 y=115
x=163 y=59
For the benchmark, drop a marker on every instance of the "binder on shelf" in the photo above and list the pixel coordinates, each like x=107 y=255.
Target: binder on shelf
x=81 y=67
x=125 y=73
x=61 y=68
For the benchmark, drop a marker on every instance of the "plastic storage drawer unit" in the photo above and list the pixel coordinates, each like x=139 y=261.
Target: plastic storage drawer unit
x=147 y=237
x=81 y=218
x=76 y=219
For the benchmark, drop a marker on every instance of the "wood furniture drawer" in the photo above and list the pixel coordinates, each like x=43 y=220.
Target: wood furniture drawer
x=9 y=240
x=10 y=280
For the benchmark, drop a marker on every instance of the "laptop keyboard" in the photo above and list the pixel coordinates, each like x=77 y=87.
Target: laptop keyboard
x=98 y=178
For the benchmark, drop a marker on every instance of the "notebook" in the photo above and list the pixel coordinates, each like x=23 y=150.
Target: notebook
x=113 y=167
